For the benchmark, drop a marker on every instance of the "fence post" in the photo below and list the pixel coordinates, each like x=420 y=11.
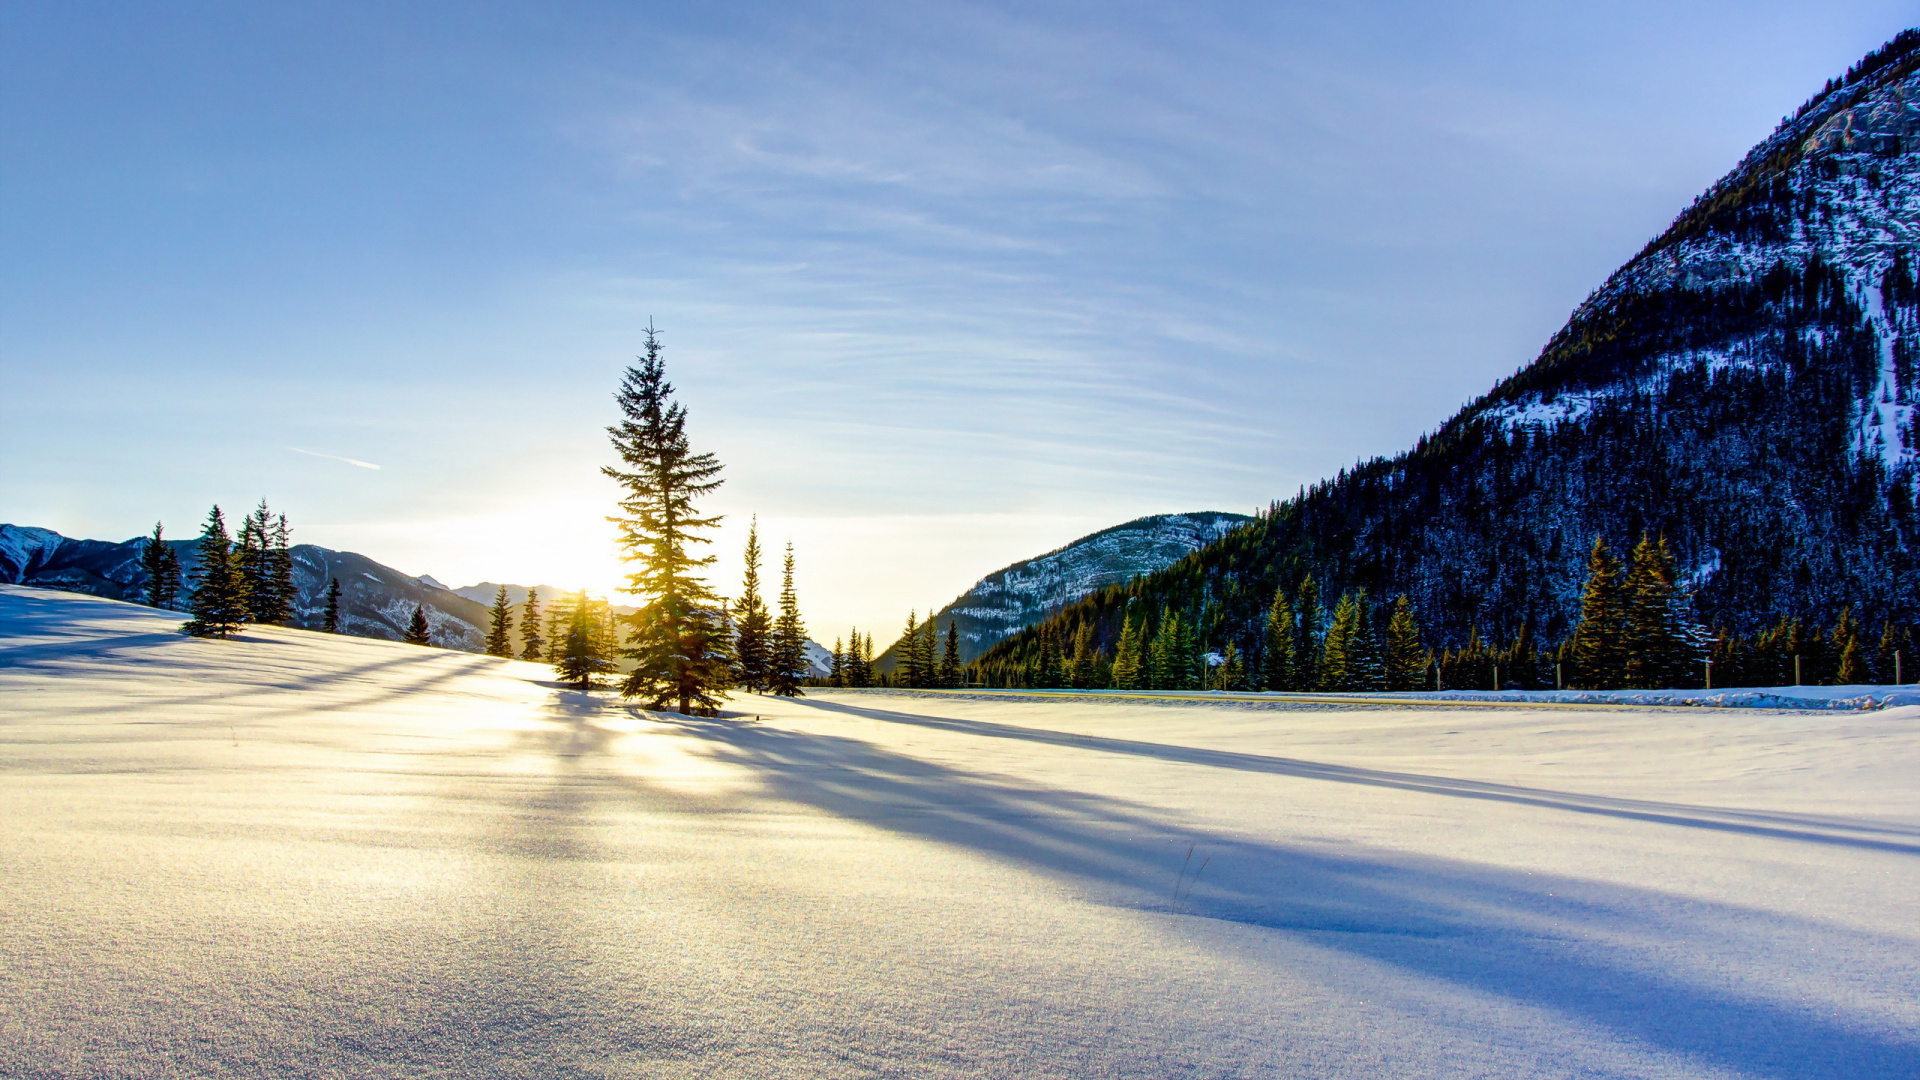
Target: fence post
x=1896 y=668
x=1796 y=669
x=1558 y=682
x=1496 y=676
x=1709 y=664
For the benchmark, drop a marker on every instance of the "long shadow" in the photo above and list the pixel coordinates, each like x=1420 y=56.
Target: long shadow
x=1557 y=943
x=1750 y=822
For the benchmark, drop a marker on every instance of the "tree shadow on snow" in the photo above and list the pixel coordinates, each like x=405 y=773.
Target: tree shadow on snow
x=1588 y=950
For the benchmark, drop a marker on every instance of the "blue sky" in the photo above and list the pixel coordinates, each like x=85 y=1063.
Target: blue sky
x=943 y=285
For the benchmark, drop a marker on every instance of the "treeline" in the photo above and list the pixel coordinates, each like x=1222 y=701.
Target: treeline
x=1637 y=630
x=921 y=661
x=236 y=580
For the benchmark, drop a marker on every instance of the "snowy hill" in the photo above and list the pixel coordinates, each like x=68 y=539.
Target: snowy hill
x=301 y=855
x=1020 y=595
x=1745 y=387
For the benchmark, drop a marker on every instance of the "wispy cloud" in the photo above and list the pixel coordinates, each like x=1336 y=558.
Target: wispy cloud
x=335 y=457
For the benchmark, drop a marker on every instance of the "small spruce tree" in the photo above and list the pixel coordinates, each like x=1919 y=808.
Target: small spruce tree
x=163 y=570
x=1307 y=643
x=1276 y=660
x=1338 y=666
x=1407 y=658
x=418 y=630
x=330 y=620
x=1127 y=666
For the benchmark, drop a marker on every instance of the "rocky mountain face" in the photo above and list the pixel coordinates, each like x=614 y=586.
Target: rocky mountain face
x=375 y=600
x=1020 y=595
x=1744 y=386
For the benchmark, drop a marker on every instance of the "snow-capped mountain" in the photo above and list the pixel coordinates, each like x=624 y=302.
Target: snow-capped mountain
x=1020 y=595
x=1744 y=386
x=375 y=600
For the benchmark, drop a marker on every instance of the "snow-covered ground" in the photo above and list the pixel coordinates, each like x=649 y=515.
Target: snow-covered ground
x=299 y=855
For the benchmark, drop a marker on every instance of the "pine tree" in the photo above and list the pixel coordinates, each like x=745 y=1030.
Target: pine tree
x=1406 y=656
x=950 y=673
x=1231 y=674
x=1048 y=675
x=586 y=644
x=1599 y=642
x=1660 y=652
x=1338 y=663
x=1127 y=665
x=418 y=631
x=559 y=618
x=330 y=621
x=753 y=626
x=532 y=645
x=1307 y=644
x=787 y=652
x=1162 y=655
x=499 y=631
x=928 y=653
x=837 y=674
x=163 y=570
x=1276 y=660
x=250 y=563
x=680 y=644
x=903 y=652
x=272 y=592
x=218 y=606
x=1369 y=650
x=1853 y=661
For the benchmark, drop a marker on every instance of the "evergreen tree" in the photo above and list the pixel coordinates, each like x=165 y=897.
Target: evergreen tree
x=499 y=631
x=559 y=618
x=837 y=674
x=753 y=626
x=418 y=631
x=1276 y=660
x=1048 y=675
x=1659 y=650
x=1128 y=665
x=586 y=644
x=950 y=671
x=680 y=645
x=857 y=671
x=218 y=606
x=330 y=622
x=250 y=564
x=929 y=653
x=1369 y=651
x=1599 y=642
x=1339 y=666
x=1085 y=661
x=1163 y=658
x=1853 y=662
x=1231 y=674
x=787 y=652
x=1307 y=646
x=903 y=652
x=1406 y=656
x=272 y=594
x=163 y=570
x=532 y=645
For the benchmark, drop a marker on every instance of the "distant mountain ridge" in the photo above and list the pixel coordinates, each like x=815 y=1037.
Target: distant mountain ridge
x=375 y=600
x=1017 y=596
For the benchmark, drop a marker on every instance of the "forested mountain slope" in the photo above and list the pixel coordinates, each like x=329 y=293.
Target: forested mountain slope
x=1743 y=386
x=1017 y=596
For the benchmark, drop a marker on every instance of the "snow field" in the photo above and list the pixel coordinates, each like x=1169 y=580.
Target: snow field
x=299 y=855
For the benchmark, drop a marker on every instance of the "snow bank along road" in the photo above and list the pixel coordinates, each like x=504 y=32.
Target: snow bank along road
x=300 y=855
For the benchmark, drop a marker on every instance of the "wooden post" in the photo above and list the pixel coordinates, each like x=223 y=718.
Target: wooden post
x=1558 y=682
x=1709 y=664
x=1796 y=669
x=1896 y=668
x=1496 y=675
x=1436 y=676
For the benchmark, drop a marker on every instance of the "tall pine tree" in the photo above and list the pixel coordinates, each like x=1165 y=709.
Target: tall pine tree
x=532 y=645
x=219 y=605
x=1406 y=656
x=1599 y=642
x=163 y=570
x=753 y=626
x=1128 y=662
x=680 y=644
x=950 y=672
x=787 y=652
x=586 y=644
x=1339 y=662
x=1307 y=644
x=1276 y=661
x=500 y=628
